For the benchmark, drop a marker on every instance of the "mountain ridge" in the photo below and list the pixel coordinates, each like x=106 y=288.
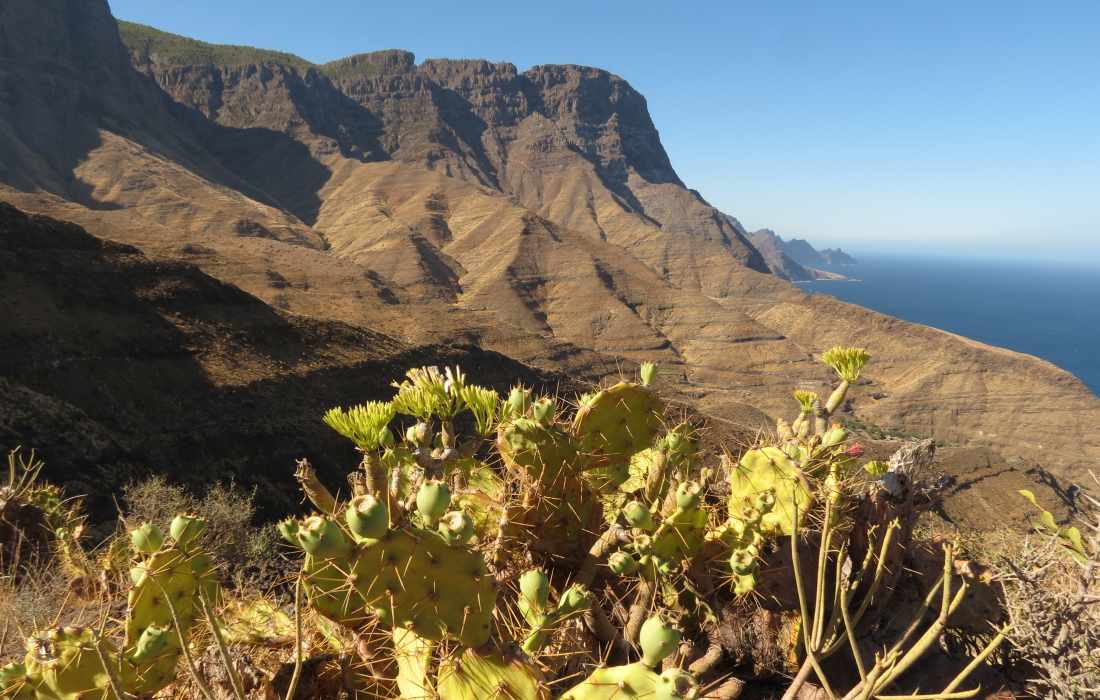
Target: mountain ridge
x=534 y=214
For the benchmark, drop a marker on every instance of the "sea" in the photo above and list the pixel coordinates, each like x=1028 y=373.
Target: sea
x=1043 y=308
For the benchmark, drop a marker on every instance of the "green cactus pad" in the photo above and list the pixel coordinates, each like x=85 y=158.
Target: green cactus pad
x=408 y=578
x=475 y=676
x=558 y=509
x=537 y=453
x=769 y=469
x=67 y=663
x=612 y=426
x=616 y=683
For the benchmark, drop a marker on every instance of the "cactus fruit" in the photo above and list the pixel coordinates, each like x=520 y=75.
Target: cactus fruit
x=623 y=563
x=518 y=403
x=147 y=538
x=647 y=371
x=432 y=501
x=322 y=538
x=366 y=518
x=456 y=527
x=186 y=528
x=657 y=639
x=544 y=410
x=638 y=515
x=638 y=680
x=769 y=470
x=542 y=618
x=676 y=684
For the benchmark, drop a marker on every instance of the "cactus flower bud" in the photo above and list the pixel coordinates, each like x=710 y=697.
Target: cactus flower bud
x=648 y=373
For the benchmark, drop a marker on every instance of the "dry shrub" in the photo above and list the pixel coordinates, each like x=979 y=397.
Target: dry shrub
x=252 y=553
x=1053 y=601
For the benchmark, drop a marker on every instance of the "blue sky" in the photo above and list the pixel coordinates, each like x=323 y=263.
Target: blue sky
x=953 y=126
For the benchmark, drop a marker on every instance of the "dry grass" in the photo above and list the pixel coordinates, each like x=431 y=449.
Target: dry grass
x=1052 y=598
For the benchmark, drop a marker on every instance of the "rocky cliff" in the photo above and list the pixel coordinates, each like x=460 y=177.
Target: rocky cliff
x=782 y=264
x=534 y=213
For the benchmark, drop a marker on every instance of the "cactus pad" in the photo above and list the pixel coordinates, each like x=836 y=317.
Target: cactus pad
x=612 y=426
x=408 y=578
x=769 y=470
x=474 y=676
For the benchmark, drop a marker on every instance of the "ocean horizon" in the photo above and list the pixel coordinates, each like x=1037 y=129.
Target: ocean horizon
x=1044 y=308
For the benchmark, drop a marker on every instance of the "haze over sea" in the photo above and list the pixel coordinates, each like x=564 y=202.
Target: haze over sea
x=1043 y=308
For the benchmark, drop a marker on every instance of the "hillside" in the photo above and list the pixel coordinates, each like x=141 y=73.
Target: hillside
x=531 y=213
x=115 y=366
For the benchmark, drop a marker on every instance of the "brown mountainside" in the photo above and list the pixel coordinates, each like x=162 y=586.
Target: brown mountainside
x=534 y=213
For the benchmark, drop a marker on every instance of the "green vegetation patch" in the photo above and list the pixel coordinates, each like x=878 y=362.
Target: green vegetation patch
x=172 y=49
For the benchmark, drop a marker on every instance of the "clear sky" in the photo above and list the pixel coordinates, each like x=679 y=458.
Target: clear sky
x=964 y=126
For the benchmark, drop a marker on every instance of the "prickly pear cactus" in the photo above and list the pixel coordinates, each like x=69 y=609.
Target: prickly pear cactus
x=557 y=504
x=542 y=617
x=769 y=471
x=426 y=579
x=473 y=676
x=611 y=426
x=171 y=577
x=640 y=680
x=33 y=514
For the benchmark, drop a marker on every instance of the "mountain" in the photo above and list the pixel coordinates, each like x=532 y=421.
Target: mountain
x=836 y=256
x=116 y=364
x=782 y=264
x=529 y=213
x=803 y=253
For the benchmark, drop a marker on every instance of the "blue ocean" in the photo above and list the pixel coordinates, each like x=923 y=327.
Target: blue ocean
x=1047 y=309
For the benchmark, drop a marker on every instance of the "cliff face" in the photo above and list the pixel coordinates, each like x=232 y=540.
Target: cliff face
x=535 y=213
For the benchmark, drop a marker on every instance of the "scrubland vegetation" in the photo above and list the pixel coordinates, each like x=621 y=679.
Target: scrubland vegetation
x=525 y=547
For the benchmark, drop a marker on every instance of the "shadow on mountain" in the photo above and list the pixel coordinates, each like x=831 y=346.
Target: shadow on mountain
x=114 y=367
